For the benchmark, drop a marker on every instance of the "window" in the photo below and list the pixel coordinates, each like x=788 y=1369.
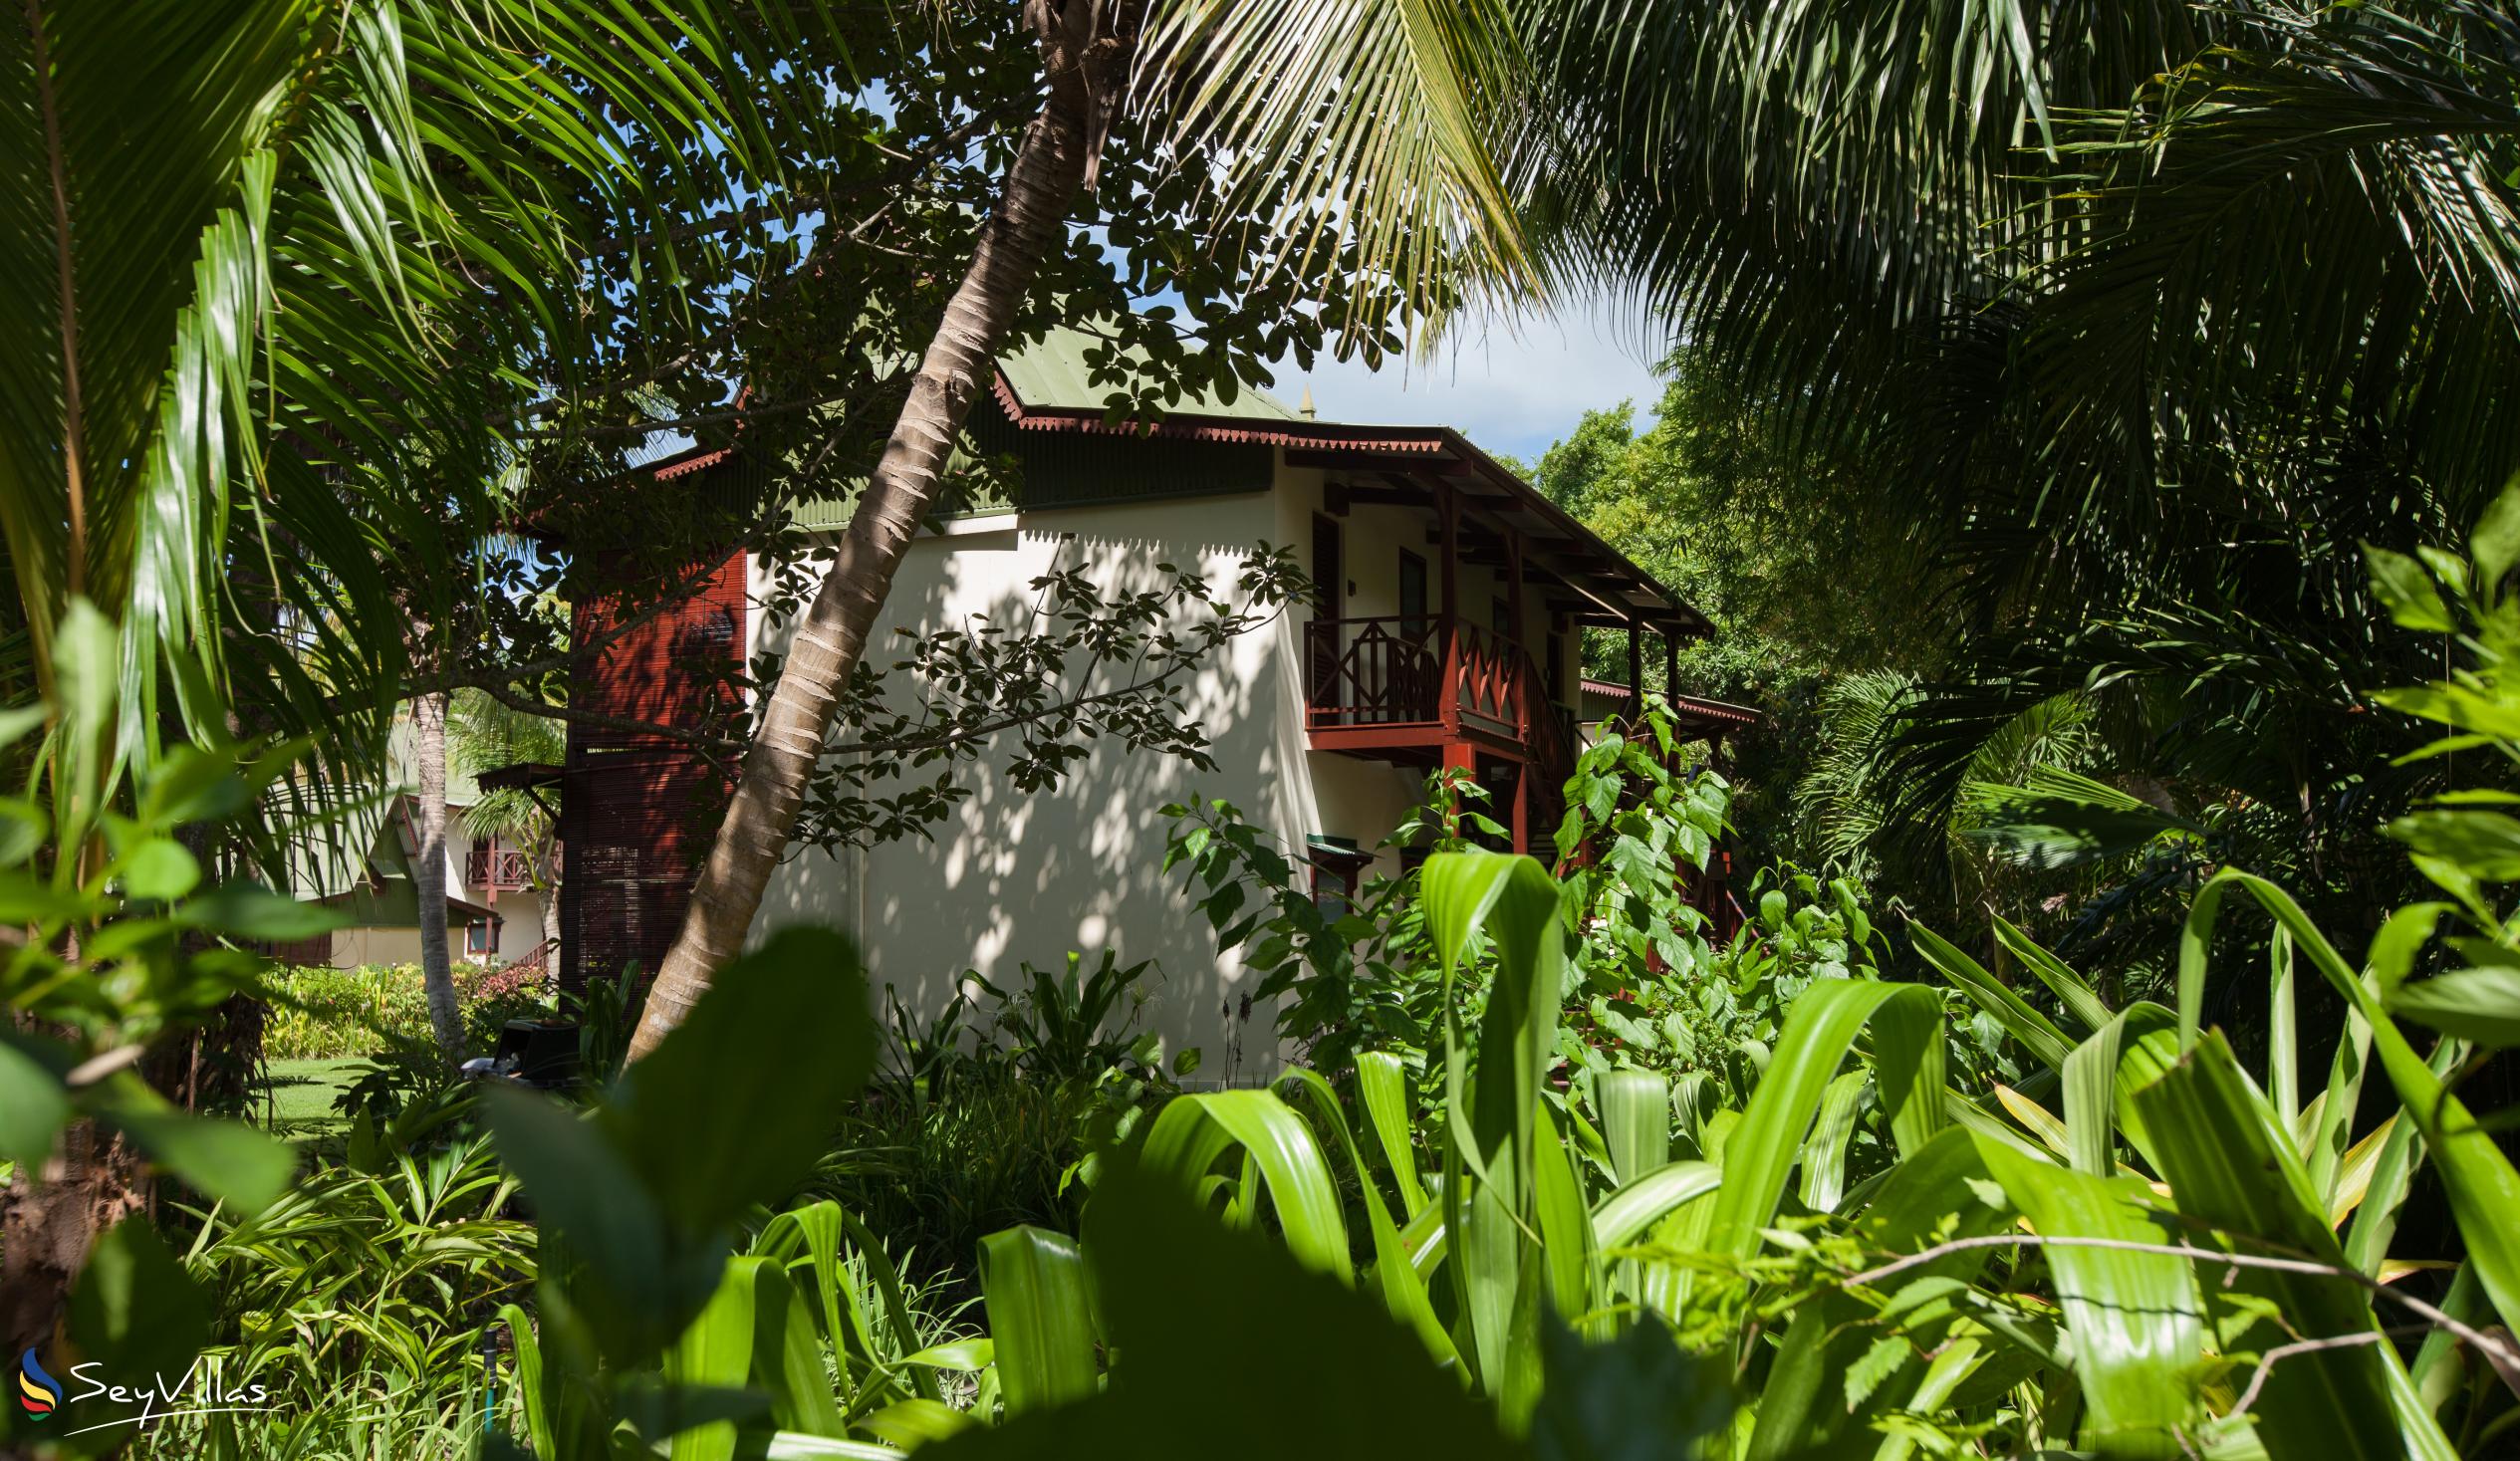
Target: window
x=1330 y=566
x=1498 y=620
x=706 y=630
x=1334 y=892
x=1336 y=863
x=481 y=937
x=1557 y=666
x=1413 y=592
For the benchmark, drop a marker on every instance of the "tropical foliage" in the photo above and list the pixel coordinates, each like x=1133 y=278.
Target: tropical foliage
x=2111 y=1057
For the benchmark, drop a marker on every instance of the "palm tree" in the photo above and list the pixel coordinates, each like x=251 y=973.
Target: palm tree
x=1089 y=49
x=277 y=259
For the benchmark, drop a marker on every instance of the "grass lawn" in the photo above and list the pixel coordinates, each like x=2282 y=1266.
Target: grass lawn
x=303 y=1091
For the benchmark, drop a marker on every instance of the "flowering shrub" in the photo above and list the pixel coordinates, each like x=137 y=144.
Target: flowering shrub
x=338 y=1013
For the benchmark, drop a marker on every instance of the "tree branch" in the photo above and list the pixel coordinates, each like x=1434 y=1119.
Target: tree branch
x=2266 y=1361
x=501 y=691
x=2500 y=1355
x=989 y=728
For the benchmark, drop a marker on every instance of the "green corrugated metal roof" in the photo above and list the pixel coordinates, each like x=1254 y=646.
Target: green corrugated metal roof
x=1068 y=469
x=1053 y=375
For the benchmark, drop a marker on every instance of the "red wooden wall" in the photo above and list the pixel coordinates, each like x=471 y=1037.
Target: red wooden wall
x=638 y=808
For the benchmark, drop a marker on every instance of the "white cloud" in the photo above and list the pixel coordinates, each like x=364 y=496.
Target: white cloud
x=1510 y=388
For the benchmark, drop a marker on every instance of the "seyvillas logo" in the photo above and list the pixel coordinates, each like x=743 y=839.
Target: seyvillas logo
x=39 y=1393
x=199 y=1391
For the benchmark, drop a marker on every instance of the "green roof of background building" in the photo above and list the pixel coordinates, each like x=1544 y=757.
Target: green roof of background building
x=1053 y=376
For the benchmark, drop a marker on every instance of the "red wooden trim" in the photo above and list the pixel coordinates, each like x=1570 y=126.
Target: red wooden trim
x=1376 y=737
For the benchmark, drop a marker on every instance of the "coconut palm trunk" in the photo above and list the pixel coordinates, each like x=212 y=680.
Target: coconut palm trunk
x=551 y=917
x=428 y=871
x=1085 y=48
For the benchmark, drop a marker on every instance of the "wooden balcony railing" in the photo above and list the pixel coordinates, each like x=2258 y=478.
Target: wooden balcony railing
x=1433 y=670
x=505 y=869
x=1375 y=671
x=1424 y=679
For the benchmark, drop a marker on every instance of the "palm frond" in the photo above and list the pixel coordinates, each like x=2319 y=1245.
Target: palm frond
x=1371 y=119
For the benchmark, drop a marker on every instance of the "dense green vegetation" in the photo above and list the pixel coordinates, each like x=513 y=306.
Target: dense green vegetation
x=2089 y=427
x=329 y=1014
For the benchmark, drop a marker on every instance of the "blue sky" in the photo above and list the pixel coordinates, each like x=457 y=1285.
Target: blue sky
x=1509 y=389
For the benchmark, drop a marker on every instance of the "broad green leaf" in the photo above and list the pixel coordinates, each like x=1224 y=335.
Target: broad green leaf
x=910 y=1424
x=2091 y=1090
x=1636 y=1120
x=33 y=1104
x=2455 y=706
x=1819 y=1031
x=24 y=831
x=2480 y=1004
x=160 y=869
x=1566 y=1254
x=788 y=1445
x=1934 y=1195
x=2283 y=1037
x=1382 y=1083
x=1041 y=1322
x=2035 y=1030
x=2408 y=590
x=1638 y=1205
x=1639 y=1397
x=642 y=1284
x=969 y=1356
x=738 y=1101
x=526 y=1345
x=1403 y=1289
x=2495 y=542
x=1944 y=1373
x=2483 y=844
x=1825 y=1153
x=134 y=1310
x=1261 y=1331
x=86 y=688
x=2392 y=1175
x=2139 y=1334
x=2034 y=1118
x=1193 y=1131
x=230 y=1160
x=2230 y=1169
x=2483 y=1188
x=715 y=1352
x=2070 y=988
x=1494 y=1126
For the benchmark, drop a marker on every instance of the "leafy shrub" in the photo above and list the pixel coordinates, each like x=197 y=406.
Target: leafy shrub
x=976 y=1120
x=323 y=1013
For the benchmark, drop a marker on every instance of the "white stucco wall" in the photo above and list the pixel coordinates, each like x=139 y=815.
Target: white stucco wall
x=1010 y=877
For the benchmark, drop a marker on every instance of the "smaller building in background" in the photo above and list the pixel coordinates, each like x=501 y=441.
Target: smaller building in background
x=365 y=868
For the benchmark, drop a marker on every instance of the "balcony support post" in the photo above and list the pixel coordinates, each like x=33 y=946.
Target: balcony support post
x=1671 y=665
x=1521 y=805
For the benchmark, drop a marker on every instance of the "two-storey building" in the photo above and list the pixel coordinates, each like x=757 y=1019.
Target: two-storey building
x=1453 y=599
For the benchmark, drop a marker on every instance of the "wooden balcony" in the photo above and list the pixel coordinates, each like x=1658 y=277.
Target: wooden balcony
x=500 y=869
x=1404 y=688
